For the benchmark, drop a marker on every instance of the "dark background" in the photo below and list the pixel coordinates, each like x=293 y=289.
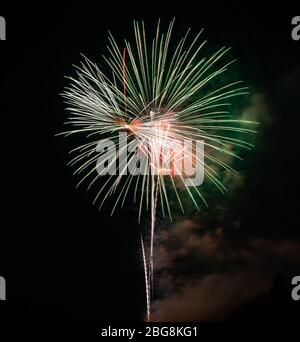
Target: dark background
x=61 y=257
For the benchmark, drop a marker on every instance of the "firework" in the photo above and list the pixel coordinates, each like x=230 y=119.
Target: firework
x=139 y=118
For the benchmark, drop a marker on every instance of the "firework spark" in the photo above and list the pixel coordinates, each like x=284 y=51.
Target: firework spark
x=157 y=93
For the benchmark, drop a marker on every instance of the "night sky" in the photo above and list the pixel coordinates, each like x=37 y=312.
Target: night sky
x=64 y=260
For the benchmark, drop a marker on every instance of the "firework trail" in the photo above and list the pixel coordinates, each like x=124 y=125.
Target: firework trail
x=156 y=96
x=146 y=279
x=154 y=195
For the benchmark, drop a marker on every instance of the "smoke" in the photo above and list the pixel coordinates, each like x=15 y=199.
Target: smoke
x=206 y=275
x=258 y=110
x=209 y=265
x=212 y=298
